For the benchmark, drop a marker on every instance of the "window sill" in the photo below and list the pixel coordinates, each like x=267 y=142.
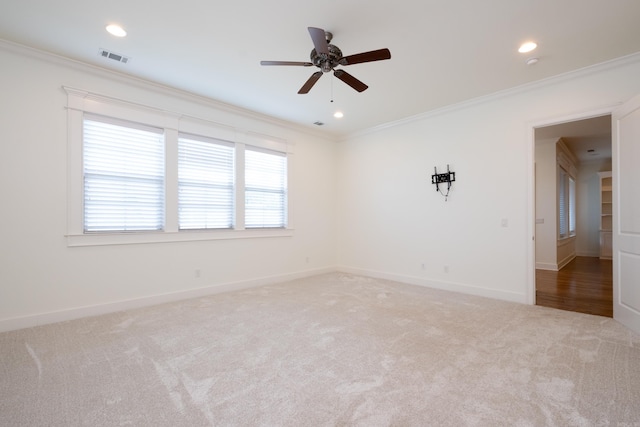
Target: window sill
x=132 y=238
x=566 y=240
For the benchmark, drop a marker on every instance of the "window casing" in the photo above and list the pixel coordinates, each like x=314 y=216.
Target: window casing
x=572 y=206
x=206 y=183
x=265 y=189
x=123 y=176
x=189 y=203
x=566 y=204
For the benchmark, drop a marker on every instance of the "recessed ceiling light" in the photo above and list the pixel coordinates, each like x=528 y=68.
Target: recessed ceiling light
x=532 y=61
x=338 y=115
x=527 y=47
x=116 y=30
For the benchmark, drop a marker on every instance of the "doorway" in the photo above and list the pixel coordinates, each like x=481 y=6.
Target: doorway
x=584 y=285
x=569 y=273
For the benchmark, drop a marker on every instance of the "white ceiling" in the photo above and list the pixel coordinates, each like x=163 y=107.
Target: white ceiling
x=588 y=139
x=443 y=52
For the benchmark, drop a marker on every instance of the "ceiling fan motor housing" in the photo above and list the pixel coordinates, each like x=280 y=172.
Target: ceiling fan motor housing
x=326 y=62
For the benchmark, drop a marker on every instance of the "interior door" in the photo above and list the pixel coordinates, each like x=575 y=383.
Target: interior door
x=626 y=214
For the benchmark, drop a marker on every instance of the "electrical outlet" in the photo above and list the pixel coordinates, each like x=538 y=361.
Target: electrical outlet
x=197 y=273
x=446 y=268
x=424 y=265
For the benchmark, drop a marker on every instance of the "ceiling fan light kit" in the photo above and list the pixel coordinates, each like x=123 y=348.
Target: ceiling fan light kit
x=327 y=57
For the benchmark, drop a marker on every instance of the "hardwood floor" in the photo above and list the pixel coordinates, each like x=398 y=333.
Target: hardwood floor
x=584 y=285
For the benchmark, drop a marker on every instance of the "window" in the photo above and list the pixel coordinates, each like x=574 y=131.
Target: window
x=265 y=189
x=572 y=207
x=566 y=205
x=205 y=183
x=123 y=176
x=144 y=175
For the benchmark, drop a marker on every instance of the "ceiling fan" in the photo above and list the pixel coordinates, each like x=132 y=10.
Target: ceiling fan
x=327 y=57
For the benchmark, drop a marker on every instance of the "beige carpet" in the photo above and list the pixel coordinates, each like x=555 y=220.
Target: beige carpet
x=331 y=350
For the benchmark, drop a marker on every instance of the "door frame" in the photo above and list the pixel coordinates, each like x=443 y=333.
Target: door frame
x=530 y=128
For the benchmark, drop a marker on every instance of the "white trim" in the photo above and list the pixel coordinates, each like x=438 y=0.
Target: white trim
x=563 y=263
x=334 y=137
x=99 y=239
x=546 y=266
x=207 y=128
x=100 y=309
x=74 y=172
x=159 y=88
x=171 y=222
x=267 y=142
x=81 y=102
x=438 y=284
x=240 y=184
x=570 y=75
x=588 y=254
x=530 y=128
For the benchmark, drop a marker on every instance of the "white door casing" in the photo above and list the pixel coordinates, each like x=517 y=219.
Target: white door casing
x=530 y=296
x=625 y=123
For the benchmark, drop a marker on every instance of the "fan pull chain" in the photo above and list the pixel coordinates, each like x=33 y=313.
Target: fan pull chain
x=331 y=88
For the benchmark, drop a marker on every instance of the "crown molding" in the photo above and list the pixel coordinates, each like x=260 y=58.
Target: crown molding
x=560 y=78
x=64 y=61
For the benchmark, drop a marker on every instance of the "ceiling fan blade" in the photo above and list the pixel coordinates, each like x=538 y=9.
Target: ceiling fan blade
x=309 y=83
x=374 y=55
x=319 y=40
x=301 y=64
x=350 y=80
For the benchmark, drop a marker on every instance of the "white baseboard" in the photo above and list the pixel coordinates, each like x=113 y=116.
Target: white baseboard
x=442 y=285
x=566 y=261
x=16 y=323
x=99 y=309
x=588 y=254
x=546 y=266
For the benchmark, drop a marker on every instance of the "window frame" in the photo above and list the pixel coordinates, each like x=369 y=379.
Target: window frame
x=566 y=188
x=188 y=183
x=264 y=189
x=80 y=102
x=123 y=174
x=572 y=206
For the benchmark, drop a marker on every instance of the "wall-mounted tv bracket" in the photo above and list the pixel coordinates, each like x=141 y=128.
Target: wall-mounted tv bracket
x=442 y=178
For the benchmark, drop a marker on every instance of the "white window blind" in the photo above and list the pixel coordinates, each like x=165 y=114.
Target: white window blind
x=562 y=204
x=123 y=168
x=566 y=205
x=205 y=183
x=265 y=189
x=572 y=207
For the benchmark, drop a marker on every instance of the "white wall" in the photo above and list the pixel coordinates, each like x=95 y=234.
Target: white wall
x=386 y=219
x=566 y=160
x=393 y=220
x=41 y=279
x=546 y=205
x=588 y=207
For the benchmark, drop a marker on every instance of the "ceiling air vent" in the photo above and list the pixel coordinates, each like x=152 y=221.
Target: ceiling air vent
x=115 y=56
